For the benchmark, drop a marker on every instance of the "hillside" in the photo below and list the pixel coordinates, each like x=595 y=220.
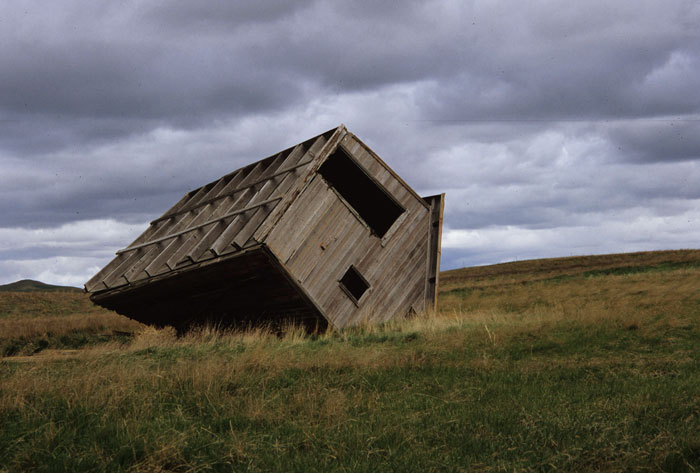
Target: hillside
x=569 y=364
x=29 y=285
x=593 y=265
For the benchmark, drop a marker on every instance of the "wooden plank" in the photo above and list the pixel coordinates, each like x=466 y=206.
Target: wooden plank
x=316 y=246
x=115 y=277
x=278 y=186
x=320 y=148
x=411 y=268
x=270 y=170
x=343 y=255
x=249 y=174
x=226 y=237
x=187 y=242
x=437 y=208
x=353 y=143
x=96 y=282
x=377 y=260
x=295 y=225
x=159 y=263
x=191 y=247
x=164 y=225
x=198 y=227
x=294 y=159
x=201 y=249
x=137 y=272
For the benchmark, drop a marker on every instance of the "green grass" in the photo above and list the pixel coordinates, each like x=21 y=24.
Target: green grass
x=590 y=373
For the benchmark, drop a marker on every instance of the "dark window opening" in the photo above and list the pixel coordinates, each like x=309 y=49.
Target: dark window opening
x=353 y=283
x=368 y=199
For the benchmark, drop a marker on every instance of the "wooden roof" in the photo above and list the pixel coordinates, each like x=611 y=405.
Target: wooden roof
x=213 y=221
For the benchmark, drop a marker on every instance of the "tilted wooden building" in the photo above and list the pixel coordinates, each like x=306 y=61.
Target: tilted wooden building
x=323 y=232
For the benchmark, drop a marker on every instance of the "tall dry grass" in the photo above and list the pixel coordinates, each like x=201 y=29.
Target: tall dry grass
x=514 y=373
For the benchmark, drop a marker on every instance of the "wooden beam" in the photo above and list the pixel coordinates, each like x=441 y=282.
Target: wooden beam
x=197 y=227
x=231 y=192
x=437 y=208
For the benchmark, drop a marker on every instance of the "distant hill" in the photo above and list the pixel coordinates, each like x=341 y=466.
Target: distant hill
x=28 y=285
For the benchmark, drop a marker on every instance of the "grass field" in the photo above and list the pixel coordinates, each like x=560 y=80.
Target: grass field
x=574 y=364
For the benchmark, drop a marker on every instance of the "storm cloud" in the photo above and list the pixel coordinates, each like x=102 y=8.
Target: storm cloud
x=554 y=130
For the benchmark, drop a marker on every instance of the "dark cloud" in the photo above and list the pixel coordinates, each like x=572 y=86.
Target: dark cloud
x=219 y=17
x=551 y=129
x=662 y=140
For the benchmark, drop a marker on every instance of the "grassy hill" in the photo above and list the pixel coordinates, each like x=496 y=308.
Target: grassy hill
x=572 y=364
x=29 y=285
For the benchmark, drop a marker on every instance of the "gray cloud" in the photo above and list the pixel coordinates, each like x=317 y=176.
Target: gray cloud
x=664 y=140
x=553 y=130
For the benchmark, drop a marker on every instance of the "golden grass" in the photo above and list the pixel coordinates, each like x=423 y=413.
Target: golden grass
x=629 y=299
x=161 y=383
x=37 y=304
x=100 y=323
x=531 y=270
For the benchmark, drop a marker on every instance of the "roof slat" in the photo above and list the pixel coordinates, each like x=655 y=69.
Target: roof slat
x=197 y=227
x=115 y=277
x=297 y=158
x=136 y=272
x=230 y=191
x=216 y=218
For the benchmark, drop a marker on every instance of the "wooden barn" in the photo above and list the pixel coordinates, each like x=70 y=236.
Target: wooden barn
x=323 y=233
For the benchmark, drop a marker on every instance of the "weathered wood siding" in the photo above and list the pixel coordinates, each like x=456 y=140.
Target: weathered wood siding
x=320 y=236
x=437 y=208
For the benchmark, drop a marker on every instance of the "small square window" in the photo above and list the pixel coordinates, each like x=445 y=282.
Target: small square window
x=354 y=284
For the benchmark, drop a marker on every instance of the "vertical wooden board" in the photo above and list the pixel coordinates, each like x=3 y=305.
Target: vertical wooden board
x=340 y=308
x=234 y=182
x=180 y=204
x=376 y=306
x=406 y=234
x=249 y=178
x=413 y=298
x=215 y=189
x=437 y=205
x=227 y=234
x=411 y=271
x=346 y=253
x=201 y=250
x=323 y=285
x=384 y=265
x=293 y=227
x=315 y=249
x=320 y=148
x=347 y=235
x=188 y=220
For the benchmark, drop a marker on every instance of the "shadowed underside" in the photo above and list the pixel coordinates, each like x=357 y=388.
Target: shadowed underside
x=247 y=287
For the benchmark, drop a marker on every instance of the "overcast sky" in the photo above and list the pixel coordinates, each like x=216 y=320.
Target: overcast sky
x=554 y=128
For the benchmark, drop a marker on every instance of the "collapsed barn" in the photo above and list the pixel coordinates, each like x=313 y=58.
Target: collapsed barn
x=321 y=233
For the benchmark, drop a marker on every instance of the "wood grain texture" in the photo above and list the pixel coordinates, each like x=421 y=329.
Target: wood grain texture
x=320 y=236
x=275 y=238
